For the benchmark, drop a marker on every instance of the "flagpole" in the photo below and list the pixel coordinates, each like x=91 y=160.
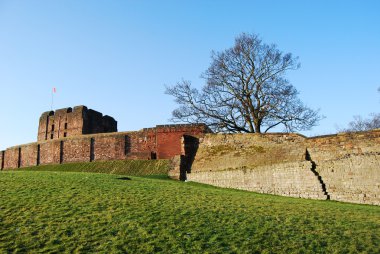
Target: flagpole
x=52 y=99
x=53 y=91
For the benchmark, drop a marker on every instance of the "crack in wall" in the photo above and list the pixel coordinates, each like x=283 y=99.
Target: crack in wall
x=313 y=169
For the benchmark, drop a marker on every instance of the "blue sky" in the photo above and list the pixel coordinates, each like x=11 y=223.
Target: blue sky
x=117 y=56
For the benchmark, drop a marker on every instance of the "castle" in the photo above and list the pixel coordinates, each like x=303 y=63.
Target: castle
x=80 y=134
x=342 y=167
x=68 y=122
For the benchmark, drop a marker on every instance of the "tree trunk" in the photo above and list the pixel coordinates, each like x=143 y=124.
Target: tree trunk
x=257 y=123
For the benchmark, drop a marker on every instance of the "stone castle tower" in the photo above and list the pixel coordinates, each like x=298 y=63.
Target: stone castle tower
x=68 y=122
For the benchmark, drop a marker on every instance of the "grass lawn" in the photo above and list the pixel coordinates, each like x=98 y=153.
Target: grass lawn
x=89 y=212
x=121 y=167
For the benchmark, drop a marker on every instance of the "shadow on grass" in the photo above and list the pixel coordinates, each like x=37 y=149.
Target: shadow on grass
x=123 y=178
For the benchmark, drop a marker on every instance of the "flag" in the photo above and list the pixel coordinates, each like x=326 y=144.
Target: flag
x=54 y=90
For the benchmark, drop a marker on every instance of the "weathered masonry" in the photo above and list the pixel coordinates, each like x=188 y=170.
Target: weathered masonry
x=68 y=122
x=342 y=167
x=83 y=135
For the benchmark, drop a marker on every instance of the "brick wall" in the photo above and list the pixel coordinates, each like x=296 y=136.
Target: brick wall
x=169 y=138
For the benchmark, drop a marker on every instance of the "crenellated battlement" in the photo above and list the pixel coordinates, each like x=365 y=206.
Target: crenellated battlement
x=67 y=122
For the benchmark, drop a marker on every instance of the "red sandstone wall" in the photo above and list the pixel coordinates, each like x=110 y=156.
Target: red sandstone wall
x=50 y=152
x=29 y=155
x=22 y=156
x=164 y=142
x=77 y=149
x=11 y=158
x=66 y=120
x=169 y=138
x=161 y=142
x=109 y=147
x=140 y=144
x=95 y=122
x=74 y=122
x=42 y=126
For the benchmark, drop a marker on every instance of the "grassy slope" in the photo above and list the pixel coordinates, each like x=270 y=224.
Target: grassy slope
x=56 y=211
x=121 y=167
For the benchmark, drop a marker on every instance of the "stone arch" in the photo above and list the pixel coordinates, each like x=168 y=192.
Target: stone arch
x=189 y=149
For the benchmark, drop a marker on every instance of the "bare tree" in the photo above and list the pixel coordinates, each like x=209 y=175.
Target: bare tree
x=245 y=91
x=360 y=124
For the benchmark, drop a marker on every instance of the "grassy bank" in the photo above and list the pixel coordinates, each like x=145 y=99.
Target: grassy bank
x=121 y=167
x=83 y=212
